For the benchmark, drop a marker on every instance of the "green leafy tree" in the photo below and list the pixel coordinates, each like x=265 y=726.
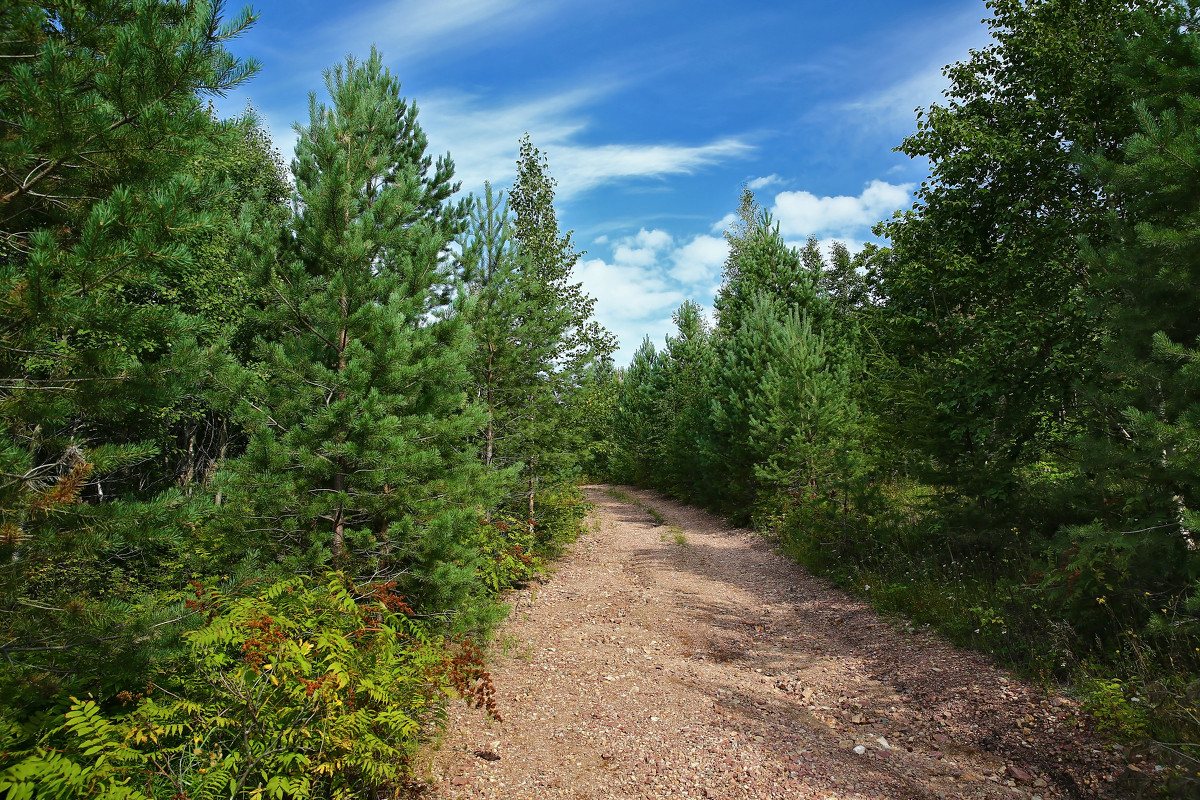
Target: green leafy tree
x=563 y=338
x=510 y=349
x=358 y=454
x=982 y=316
x=246 y=192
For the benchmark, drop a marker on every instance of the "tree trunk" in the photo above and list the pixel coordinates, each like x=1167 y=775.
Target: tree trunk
x=490 y=434
x=339 y=516
x=339 y=480
x=531 y=482
x=220 y=462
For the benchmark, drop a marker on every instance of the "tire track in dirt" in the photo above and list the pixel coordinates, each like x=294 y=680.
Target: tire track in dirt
x=691 y=660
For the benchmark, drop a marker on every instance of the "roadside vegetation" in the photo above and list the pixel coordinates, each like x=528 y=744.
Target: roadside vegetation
x=988 y=422
x=270 y=450
x=272 y=447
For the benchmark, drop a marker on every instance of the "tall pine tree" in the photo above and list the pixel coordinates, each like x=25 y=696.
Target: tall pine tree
x=1142 y=550
x=359 y=455
x=100 y=217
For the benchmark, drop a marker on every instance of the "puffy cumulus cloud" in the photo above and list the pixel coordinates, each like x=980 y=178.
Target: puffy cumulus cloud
x=647 y=276
x=640 y=279
x=724 y=223
x=803 y=214
x=699 y=262
x=643 y=249
x=631 y=301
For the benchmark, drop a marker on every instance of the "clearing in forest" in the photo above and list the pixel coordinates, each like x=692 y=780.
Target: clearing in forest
x=679 y=657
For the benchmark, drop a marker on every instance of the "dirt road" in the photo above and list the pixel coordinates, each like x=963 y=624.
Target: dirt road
x=690 y=660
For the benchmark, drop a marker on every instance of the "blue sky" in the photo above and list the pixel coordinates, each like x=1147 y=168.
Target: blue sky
x=653 y=114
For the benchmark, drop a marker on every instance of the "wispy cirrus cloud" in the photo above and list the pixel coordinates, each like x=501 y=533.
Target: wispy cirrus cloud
x=895 y=103
x=420 y=28
x=482 y=137
x=762 y=183
x=582 y=167
x=898 y=102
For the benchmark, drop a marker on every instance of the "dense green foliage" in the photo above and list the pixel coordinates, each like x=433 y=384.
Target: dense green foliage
x=988 y=423
x=307 y=690
x=104 y=221
x=359 y=418
x=269 y=451
x=246 y=525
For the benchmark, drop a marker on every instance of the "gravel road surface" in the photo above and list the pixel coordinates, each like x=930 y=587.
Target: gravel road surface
x=688 y=659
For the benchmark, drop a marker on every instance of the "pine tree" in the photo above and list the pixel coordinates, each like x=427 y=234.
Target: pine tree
x=688 y=361
x=760 y=262
x=100 y=107
x=358 y=454
x=510 y=348
x=1140 y=458
x=744 y=222
x=782 y=386
x=637 y=425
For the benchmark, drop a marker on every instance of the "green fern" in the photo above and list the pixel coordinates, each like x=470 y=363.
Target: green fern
x=307 y=690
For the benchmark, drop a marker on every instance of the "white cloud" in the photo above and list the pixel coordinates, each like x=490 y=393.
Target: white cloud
x=646 y=278
x=762 y=183
x=582 y=167
x=802 y=214
x=653 y=240
x=724 y=223
x=893 y=105
x=898 y=102
x=700 y=260
x=643 y=249
x=648 y=274
x=631 y=301
x=482 y=138
x=424 y=27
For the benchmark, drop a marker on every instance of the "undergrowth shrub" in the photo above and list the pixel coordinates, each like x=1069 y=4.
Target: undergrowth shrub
x=559 y=520
x=515 y=549
x=307 y=690
x=508 y=552
x=1058 y=613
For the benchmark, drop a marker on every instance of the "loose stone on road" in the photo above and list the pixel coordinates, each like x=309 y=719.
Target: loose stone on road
x=691 y=660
